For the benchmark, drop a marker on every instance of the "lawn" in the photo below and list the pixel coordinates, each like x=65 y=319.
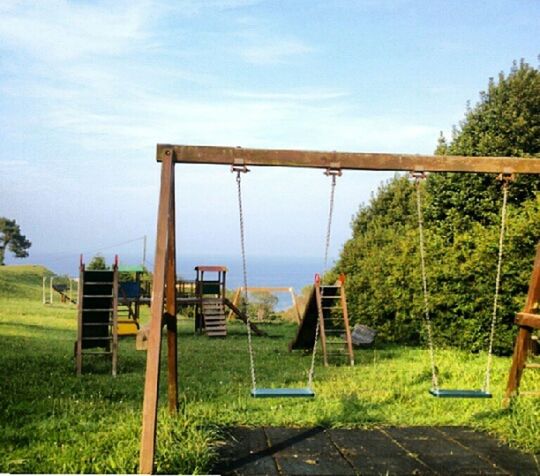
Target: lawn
x=54 y=422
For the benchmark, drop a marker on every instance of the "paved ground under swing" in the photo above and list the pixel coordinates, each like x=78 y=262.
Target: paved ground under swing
x=386 y=450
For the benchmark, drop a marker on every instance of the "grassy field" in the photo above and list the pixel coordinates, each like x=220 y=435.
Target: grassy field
x=54 y=422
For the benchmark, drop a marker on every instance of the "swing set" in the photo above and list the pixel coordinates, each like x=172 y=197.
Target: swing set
x=163 y=308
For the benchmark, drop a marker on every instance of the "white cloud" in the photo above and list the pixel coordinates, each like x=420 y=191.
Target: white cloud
x=304 y=95
x=59 y=30
x=273 y=51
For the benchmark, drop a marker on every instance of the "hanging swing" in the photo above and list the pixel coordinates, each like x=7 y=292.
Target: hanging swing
x=436 y=391
x=302 y=392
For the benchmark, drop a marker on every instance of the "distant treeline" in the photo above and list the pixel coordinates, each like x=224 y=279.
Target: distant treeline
x=461 y=220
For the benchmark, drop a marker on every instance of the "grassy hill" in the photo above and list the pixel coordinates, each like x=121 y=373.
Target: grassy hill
x=22 y=281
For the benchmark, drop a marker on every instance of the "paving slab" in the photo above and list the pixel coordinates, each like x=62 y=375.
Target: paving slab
x=373 y=452
x=246 y=453
x=307 y=452
x=508 y=459
x=384 y=451
x=440 y=453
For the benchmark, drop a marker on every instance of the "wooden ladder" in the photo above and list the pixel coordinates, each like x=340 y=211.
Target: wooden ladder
x=97 y=316
x=334 y=328
x=527 y=321
x=213 y=311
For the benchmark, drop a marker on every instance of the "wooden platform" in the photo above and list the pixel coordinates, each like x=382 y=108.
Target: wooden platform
x=386 y=450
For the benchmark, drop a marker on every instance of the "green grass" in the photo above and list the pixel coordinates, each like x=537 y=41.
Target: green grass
x=54 y=422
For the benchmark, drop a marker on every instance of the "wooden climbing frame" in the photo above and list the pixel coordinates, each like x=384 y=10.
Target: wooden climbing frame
x=163 y=308
x=527 y=321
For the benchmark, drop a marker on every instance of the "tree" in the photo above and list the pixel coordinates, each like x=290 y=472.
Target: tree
x=461 y=224
x=264 y=304
x=11 y=239
x=505 y=122
x=97 y=263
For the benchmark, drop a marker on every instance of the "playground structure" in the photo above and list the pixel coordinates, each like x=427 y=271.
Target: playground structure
x=326 y=314
x=64 y=290
x=163 y=309
x=210 y=305
x=131 y=296
x=97 y=317
x=207 y=294
x=528 y=321
x=270 y=290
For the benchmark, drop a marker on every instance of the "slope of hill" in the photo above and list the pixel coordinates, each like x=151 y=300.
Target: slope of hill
x=22 y=281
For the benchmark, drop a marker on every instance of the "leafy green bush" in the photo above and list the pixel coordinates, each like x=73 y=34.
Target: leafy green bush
x=462 y=222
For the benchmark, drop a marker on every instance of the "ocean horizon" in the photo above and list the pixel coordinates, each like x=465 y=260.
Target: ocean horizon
x=263 y=271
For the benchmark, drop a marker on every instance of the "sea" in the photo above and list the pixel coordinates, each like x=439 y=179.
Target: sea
x=262 y=271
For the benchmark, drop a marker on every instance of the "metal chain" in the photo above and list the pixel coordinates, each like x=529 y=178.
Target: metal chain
x=331 y=173
x=434 y=379
x=497 y=284
x=239 y=171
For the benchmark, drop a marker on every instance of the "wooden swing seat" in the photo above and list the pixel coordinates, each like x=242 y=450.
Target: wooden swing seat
x=460 y=393
x=282 y=392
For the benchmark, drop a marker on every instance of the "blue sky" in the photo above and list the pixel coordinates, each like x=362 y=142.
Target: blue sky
x=87 y=89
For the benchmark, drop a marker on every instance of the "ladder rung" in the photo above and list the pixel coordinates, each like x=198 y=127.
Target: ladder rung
x=532 y=366
x=107 y=323
x=98 y=310
x=96 y=352
x=97 y=338
x=97 y=283
x=98 y=296
x=530 y=394
x=331 y=297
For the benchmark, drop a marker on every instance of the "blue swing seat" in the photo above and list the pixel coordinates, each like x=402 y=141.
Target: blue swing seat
x=460 y=393
x=282 y=392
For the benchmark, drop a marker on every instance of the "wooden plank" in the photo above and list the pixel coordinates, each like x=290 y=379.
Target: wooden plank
x=347 y=326
x=151 y=385
x=115 y=320
x=533 y=294
x=172 y=343
x=78 y=345
x=528 y=320
x=348 y=160
x=212 y=269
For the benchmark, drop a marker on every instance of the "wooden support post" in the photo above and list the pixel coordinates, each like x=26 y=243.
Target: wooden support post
x=343 y=300
x=78 y=345
x=236 y=299
x=114 y=348
x=172 y=343
x=522 y=347
x=295 y=306
x=151 y=385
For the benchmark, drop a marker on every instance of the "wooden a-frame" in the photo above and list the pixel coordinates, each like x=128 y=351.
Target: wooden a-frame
x=163 y=307
x=527 y=321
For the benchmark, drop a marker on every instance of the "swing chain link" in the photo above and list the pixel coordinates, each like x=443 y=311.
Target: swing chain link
x=330 y=172
x=239 y=171
x=313 y=355
x=505 y=179
x=418 y=177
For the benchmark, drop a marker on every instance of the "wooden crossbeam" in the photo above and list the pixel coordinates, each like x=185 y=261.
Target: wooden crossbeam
x=194 y=154
x=528 y=319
